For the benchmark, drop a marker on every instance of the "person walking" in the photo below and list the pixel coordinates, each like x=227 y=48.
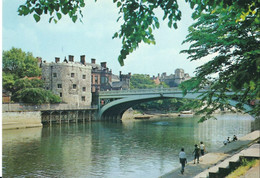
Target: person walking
x=196 y=153
x=202 y=148
x=183 y=159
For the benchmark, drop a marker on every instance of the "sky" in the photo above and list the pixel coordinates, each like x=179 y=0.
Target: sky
x=93 y=38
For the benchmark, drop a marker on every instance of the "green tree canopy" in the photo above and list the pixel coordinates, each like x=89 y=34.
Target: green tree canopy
x=35 y=96
x=21 y=77
x=20 y=64
x=235 y=63
x=27 y=83
x=141 y=81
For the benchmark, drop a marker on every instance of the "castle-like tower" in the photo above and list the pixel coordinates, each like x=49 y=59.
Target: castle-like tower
x=68 y=79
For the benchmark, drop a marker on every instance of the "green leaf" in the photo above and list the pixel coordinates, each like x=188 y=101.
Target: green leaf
x=58 y=15
x=119 y=4
x=115 y=35
x=157 y=25
x=38 y=11
x=170 y=24
x=175 y=25
x=74 y=18
x=150 y=30
x=51 y=19
x=37 y=18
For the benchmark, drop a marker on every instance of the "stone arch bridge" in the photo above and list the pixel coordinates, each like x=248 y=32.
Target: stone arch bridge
x=112 y=104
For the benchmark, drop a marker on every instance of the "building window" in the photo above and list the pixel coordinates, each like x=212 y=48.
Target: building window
x=74 y=86
x=83 y=88
x=60 y=94
x=59 y=85
x=54 y=74
x=84 y=76
x=96 y=79
x=83 y=98
x=104 y=80
x=72 y=74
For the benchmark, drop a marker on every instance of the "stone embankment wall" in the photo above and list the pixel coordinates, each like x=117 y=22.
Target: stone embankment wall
x=20 y=115
x=25 y=107
x=15 y=120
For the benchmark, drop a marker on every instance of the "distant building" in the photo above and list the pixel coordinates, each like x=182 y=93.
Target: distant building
x=157 y=79
x=122 y=82
x=173 y=80
x=68 y=79
x=101 y=76
x=6 y=96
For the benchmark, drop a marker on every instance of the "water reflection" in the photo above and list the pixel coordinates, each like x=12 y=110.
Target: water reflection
x=132 y=149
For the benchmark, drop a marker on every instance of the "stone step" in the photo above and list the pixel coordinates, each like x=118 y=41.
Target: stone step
x=222 y=169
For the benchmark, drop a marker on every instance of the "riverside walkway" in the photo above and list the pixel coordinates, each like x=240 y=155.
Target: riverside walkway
x=211 y=163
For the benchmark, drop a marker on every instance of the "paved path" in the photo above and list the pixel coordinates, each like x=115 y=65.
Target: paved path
x=210 y=160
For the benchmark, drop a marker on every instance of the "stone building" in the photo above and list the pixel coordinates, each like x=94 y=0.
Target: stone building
x=123 y=82
x=68 y=79
x=173 y=80
x=180 y=76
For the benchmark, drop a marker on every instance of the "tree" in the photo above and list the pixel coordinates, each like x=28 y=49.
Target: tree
x=35 y=96
x=235 y=65
x=141 y=81
x=8 y=81
x=17 y=67
x=20 y=64
x=27 y=83
x=138 y=16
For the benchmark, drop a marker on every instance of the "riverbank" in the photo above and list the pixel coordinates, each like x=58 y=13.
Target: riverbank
x=211 y=162
x=18 y=120
x=131 y=114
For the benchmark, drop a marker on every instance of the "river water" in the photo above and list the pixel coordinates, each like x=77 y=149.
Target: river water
x=146 y=148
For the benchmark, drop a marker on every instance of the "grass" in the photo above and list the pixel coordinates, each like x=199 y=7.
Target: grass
x=241 y=170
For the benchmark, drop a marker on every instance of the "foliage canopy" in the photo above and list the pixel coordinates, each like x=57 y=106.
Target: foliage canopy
x=21 y=76
x=35 y=96
x=20 y=64
x=235 y=63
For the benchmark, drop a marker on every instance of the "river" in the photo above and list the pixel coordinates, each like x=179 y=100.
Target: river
x=143 y=148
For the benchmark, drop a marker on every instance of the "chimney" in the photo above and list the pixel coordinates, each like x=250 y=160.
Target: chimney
x=104 y=64
x=93 y=61
x=57 y=59
x=39 y=59
x=82 y=59
x=71 y=58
